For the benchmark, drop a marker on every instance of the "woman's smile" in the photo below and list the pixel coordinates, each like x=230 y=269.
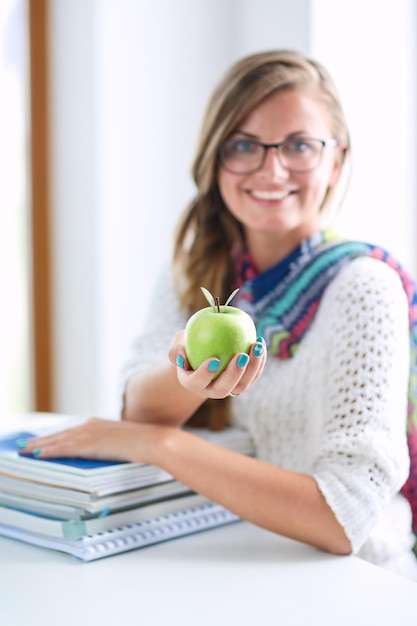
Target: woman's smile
x=269 y=195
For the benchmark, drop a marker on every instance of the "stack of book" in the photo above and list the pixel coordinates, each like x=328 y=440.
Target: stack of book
x=92 y=509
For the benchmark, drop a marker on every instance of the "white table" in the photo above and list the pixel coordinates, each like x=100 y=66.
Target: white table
x=236 y=575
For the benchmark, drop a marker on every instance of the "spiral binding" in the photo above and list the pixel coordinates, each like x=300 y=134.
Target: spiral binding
x=154 y=531
x=133 y=536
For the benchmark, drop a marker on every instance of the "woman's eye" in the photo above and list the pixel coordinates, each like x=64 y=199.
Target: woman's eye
x=297 y=145
x=243 y=146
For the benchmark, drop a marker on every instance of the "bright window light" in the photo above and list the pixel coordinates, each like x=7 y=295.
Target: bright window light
x=14 y=275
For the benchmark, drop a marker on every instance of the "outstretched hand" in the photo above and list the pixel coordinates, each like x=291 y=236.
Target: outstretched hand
x=242 y=371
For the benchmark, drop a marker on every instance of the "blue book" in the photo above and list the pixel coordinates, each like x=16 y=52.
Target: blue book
x=9 y=447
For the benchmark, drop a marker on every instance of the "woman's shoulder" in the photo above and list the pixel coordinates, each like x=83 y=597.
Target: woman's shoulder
x=368 y=275
x=366 y=288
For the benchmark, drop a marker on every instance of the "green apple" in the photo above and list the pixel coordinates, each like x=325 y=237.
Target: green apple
x=218 y=331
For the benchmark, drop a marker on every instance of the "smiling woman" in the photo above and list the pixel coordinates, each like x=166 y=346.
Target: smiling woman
x=327 y=409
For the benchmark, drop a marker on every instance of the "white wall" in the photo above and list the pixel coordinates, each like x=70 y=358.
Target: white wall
x=151 y=97
x=370 y=48
x=157 y=64
x=74 y=216
x=130 y=82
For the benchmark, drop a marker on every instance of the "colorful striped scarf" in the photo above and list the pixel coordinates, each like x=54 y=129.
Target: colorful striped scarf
x=284 y=299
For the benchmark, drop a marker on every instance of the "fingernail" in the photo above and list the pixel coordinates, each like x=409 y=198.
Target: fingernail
x=258 y=348
x=36 y=452
x=260 y=339
x=180 y=361
x=213 y=365
x=22 y=444
x=243 y=360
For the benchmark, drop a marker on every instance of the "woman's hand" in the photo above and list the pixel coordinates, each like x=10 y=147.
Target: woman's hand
x=99 y=439
x=241 y=372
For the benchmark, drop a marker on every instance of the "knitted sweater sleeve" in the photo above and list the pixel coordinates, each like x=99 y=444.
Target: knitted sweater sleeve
x=164 y=318
x=362 y=459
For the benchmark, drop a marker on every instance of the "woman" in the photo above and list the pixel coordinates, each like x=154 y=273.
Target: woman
x=327 y=409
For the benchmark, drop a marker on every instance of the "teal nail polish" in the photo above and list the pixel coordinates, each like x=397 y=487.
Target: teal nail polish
x=243 y=360
x=36 y=452
x=258 y=349
x=180 y=361
x=213 y=365
x=260 y=339
x=22 y=444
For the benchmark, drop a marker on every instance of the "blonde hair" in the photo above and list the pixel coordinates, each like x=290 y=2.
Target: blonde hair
x=207 y=231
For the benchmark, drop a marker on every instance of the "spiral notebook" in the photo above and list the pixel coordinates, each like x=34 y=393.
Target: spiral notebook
x=188 y=521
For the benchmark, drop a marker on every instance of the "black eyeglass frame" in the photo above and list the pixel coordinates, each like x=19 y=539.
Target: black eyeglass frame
x=267 y=146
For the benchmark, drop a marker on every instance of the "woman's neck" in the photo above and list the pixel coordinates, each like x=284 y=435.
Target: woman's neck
x=267 y=249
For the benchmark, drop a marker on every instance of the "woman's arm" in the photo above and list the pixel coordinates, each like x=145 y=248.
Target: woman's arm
x=144 y=402
x=362 y=459
x=169 y=394
x=154 y=388
x=279 y=500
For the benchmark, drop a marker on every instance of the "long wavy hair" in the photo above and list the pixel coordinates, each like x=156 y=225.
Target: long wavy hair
x=207 y=231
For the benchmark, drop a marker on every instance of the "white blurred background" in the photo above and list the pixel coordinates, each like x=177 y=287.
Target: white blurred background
x=130 y=80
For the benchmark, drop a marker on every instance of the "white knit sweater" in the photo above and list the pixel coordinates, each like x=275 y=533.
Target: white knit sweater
x=336 y=410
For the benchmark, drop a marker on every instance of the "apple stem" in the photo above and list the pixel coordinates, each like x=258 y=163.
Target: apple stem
x=217 y=299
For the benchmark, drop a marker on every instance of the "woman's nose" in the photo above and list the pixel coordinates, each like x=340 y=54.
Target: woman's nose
x=272 y=164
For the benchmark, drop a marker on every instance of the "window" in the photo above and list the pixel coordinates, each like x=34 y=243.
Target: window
x=15 y=383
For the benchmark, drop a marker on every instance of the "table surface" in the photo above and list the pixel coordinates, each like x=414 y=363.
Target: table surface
x=238 y=574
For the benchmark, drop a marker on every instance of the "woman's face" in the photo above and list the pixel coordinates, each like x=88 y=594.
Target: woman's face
x=273 y=199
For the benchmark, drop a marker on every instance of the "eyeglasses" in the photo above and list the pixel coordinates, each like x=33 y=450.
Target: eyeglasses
x=297 y=154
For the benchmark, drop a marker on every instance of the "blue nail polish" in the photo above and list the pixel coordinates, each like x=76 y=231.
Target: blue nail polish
x=36 y=452
x=180 y=361
x=243 y=360
x=213 y=365
x=258 y=349
x=22 y=444
x=260 y=340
